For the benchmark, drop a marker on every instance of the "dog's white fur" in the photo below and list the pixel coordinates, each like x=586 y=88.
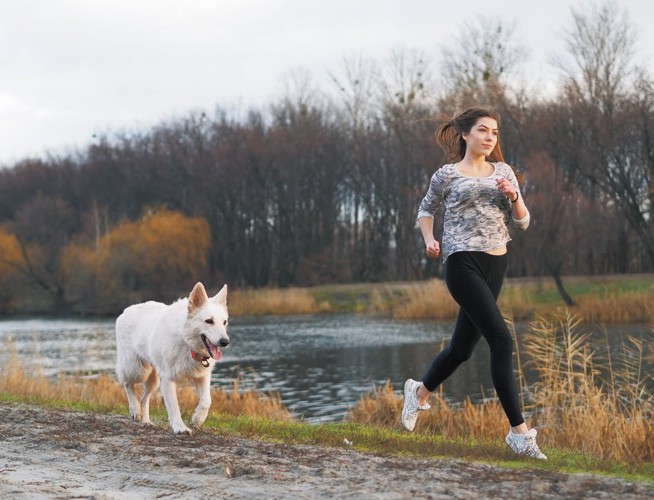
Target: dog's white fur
x=154 y=344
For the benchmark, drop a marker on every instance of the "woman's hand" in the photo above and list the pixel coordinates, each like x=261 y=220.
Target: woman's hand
x=433 y=249
x=507 y=189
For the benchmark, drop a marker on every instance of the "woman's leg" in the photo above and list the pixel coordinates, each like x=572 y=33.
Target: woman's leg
x=476 y=286
x=475 y=279
x=459 y=349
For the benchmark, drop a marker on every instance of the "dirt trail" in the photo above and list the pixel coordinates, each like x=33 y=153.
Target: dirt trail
x=47 y=453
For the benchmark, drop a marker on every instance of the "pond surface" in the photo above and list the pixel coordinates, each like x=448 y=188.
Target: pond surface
x=319 y=365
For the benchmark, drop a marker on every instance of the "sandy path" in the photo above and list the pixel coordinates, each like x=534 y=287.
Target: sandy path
x=48 y=453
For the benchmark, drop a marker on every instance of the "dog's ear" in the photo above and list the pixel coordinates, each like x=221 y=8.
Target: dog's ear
x=221 y=297
x=197 y=298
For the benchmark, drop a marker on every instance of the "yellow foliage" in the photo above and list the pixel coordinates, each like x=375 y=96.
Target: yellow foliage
x=79 y=265
x=161 y=250
x=11 y=261
x=10 y=254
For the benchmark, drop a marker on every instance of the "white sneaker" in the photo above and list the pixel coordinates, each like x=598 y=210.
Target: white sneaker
x=525 y=444
x=411 y=406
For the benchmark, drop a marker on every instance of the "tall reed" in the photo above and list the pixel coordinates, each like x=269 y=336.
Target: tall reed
x=586 y=400
x=583 y=399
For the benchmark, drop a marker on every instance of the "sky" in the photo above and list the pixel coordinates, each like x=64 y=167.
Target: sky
x=71 y=70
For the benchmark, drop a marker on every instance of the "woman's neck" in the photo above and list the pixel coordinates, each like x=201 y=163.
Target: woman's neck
x=474 y=162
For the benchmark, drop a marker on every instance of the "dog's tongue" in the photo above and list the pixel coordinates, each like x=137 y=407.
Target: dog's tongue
x=215 y=352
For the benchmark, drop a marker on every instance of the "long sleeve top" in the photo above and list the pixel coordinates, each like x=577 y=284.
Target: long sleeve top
x=477 y=214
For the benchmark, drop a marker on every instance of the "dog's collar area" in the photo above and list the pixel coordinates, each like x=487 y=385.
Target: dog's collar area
x=203 y=360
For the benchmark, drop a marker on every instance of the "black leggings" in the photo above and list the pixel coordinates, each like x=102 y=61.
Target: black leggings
x=475 y=279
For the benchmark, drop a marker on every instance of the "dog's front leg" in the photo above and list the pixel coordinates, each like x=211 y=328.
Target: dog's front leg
x=202 y=388
x=169 y=393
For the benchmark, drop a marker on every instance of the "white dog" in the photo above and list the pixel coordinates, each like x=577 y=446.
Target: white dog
x=175 y=343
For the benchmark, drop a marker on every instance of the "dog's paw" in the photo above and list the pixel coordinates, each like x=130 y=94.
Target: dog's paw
x=136 y=417
x=197 y=423
x=182 y=429
x=198 y=419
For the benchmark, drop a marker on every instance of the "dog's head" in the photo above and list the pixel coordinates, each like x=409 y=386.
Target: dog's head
x=205 y=330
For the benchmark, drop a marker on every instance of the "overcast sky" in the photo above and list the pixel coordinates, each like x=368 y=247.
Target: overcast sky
x=70 y=69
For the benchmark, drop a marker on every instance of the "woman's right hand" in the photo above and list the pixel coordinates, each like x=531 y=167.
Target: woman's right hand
x=433 y=249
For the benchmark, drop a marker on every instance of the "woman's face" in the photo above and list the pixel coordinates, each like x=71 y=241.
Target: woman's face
x=482 y=138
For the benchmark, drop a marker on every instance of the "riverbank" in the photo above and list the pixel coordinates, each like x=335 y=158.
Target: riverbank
x=55 y=453
x=608 y=299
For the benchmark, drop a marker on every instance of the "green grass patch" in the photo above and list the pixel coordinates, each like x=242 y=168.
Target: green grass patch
x=384 y=441
x=582 y=286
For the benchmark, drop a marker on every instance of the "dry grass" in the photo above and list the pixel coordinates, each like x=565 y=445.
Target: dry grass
x=607 y=299
x=430 y=300
x=273 y=301
x=383 y=408
x=613 y=307
x=106 y=393
x=582 y=400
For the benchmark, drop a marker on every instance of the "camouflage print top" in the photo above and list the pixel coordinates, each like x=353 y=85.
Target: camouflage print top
x=477 y=214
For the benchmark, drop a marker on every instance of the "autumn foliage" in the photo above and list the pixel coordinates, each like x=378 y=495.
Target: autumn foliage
x=158 y=256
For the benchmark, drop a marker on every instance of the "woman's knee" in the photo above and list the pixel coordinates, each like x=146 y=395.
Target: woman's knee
x=501 y=344
x=460 y=354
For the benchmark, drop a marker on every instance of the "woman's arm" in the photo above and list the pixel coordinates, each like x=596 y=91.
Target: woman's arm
x=432 y=247
x=510 y=188
x=426 y=211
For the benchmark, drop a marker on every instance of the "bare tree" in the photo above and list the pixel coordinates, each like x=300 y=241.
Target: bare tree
x=608 y=100
x=600 y=45
x=477 y=64
x=356 y=90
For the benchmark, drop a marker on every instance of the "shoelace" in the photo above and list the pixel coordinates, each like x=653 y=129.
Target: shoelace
x=531 y=447
x=414 y=413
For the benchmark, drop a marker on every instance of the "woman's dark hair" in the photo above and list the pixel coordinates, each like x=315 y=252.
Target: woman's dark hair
x=449 y=135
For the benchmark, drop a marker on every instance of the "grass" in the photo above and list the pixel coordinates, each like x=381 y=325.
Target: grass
x=104 y=393
x=606 y=299
x=383 y=440
x=593 y=411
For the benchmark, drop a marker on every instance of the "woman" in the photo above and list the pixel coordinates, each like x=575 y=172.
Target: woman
x=481 y=197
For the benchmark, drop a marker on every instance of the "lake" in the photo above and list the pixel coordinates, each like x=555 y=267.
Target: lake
x=320 y=365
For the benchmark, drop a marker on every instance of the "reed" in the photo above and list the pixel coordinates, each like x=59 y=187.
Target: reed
x=618 y=307
x=104 y=392
x=608 y=303
x=274 y=301
x=428 y=300
x=583 y=400
x=588 y=400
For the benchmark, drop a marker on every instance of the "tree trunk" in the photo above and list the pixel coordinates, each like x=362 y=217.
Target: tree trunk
x=562 y=291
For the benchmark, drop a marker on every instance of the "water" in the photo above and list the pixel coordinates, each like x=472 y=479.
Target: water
x=319 y=365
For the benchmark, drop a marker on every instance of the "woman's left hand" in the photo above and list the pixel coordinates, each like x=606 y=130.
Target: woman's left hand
x=506 y=188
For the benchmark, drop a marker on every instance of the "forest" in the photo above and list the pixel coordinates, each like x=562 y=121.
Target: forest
x=322 y=185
